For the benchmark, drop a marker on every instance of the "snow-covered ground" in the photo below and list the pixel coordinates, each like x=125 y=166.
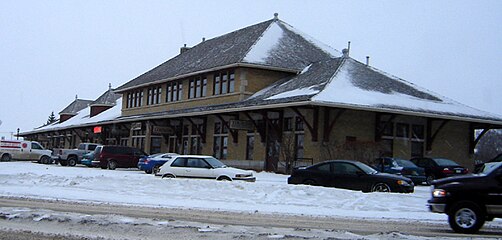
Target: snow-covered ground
x=269 y=194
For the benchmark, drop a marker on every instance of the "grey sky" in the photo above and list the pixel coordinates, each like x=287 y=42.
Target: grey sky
x=53 y=50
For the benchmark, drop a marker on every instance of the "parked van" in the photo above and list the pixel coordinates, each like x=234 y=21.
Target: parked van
x=24 y=150
x=113 y=157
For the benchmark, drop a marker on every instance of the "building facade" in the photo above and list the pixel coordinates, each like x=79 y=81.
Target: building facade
x=268 y=97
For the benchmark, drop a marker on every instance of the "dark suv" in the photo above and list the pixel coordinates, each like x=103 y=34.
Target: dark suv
x=113 y=157
x=469 y=200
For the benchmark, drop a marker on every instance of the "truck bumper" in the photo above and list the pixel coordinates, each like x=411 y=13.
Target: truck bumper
x=437 y=207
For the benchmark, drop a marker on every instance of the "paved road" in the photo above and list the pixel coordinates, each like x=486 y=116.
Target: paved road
x=257 y=224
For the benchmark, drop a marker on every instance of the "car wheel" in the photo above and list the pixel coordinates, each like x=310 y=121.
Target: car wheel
x=466 y=217
x=5 y=158
x=168 y=176
x=72 y=161
x=112 y=165
x=44 y=159
x=148 y=171
x=429 y=179
x=156 y=169
x=380 y=187
x=224 y=178
x=310 y=182
x=63 y=162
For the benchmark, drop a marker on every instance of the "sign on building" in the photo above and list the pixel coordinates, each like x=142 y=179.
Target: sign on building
x=241 y=125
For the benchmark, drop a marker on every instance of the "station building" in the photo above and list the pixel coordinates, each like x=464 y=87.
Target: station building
x=269 y=97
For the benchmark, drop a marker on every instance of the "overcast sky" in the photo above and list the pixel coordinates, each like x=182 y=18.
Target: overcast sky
x=51 y=51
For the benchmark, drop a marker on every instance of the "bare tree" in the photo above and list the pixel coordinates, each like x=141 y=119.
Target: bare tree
x=489 y=146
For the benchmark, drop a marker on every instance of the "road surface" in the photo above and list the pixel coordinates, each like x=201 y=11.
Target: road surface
x=172 y=223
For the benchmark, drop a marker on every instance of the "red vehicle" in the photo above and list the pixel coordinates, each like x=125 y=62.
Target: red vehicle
x=113 y=157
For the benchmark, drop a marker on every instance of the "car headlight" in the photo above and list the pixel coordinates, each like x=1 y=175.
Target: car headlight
x=403 y=183
x=439 y=193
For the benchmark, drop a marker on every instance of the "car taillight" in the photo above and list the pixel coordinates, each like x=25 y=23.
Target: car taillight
x=466 y=170
x=447 y=171
x=146 y=160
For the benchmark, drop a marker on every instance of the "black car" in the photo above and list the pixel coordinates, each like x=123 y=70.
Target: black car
x=478 y=167
x=351 y=175
x=436 y=168
x=401 y=167
x=469 y=200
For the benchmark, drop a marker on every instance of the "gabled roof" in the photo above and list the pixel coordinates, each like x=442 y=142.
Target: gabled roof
x=271 y=44
x=108 y=98
x=75 y=106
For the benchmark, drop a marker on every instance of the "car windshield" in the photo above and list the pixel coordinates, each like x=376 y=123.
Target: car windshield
x=445 y=162
x=215 y=163
x=490 y=167
x=405 y=163
x=367 y=169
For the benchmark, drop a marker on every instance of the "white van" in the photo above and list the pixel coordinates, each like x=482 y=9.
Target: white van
x=23 y=150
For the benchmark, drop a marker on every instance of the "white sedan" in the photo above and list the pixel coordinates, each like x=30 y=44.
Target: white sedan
x=196 y=166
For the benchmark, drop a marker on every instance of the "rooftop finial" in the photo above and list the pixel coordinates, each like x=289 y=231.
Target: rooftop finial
x=109 y=86
x=276 y=16
x=76 y=96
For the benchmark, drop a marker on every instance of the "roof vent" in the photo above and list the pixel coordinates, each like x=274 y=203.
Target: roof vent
x=276 y=16
x=109 y=86
x=203 y=39
x=367 y=60
x=345 y=52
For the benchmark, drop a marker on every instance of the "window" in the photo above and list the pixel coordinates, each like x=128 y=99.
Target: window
x=402 y=130
x=198 y=87
x=299 y=124
x=417 y=132
x=220 y=144
x=174 y=91
x=224 y=82
x=153 y=95
x=388 y=128
x=299 y=145
x=323 y=167
x=288 y=124
x=197 y=163
x=250 y=147
x=180 y=162
x=134 y=99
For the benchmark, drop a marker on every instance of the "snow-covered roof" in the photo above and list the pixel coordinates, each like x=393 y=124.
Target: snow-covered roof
x=82 y=119
x=270 y=44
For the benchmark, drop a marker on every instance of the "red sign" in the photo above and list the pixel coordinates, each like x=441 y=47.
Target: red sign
x=98 y=129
